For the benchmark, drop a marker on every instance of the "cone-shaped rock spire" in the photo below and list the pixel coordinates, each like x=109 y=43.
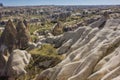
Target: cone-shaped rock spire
x=8 y=36
x=26 y=24
x=23 y=36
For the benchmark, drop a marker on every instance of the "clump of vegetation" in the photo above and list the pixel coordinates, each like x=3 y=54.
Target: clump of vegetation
x=40 y=29
x=46 y=55
x=46 y=49
x=34 y=38
x=34 y=28
x=0 y=33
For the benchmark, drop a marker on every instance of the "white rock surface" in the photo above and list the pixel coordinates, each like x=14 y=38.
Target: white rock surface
x=15 y=63
x=93 y=54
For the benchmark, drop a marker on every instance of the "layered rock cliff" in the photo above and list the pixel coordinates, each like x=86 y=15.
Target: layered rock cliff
x=92 y=53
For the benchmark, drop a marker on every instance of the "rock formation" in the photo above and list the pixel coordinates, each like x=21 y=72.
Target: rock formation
x=92 y=54
x=8 y=37
x=57 y=29
x=26 y=24
x=17 y=62
x=23 y=35
x=15 y=37
x=13 y=65
x=13 y=60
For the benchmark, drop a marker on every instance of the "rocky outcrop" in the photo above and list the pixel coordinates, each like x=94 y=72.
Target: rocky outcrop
x=57 y=29
x=26 y=24
x=12 y=65
x=92 y=54
x=13 y=60
x=71 y=40
x=8 y=37
x=23 y=35
x=3 y=59
x=17 y=62
x=100 y=23
x=15 y=37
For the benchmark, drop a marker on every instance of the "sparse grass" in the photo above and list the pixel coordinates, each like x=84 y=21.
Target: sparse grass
x=46 y=53
x=39 y=28
x=46 y=26
x=33 y=38
x=34 y=28
x=46 y=49
x=0 y=33
x=72 y=20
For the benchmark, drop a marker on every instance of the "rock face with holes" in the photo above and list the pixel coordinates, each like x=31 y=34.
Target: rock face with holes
x=93 y=53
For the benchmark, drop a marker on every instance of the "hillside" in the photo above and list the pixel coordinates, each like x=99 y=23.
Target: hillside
x=91 y=53
x=60 y=42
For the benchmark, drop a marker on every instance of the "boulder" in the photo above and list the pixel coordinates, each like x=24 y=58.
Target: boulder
x=17 y=62
x=13 y=65
x=57 y=29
